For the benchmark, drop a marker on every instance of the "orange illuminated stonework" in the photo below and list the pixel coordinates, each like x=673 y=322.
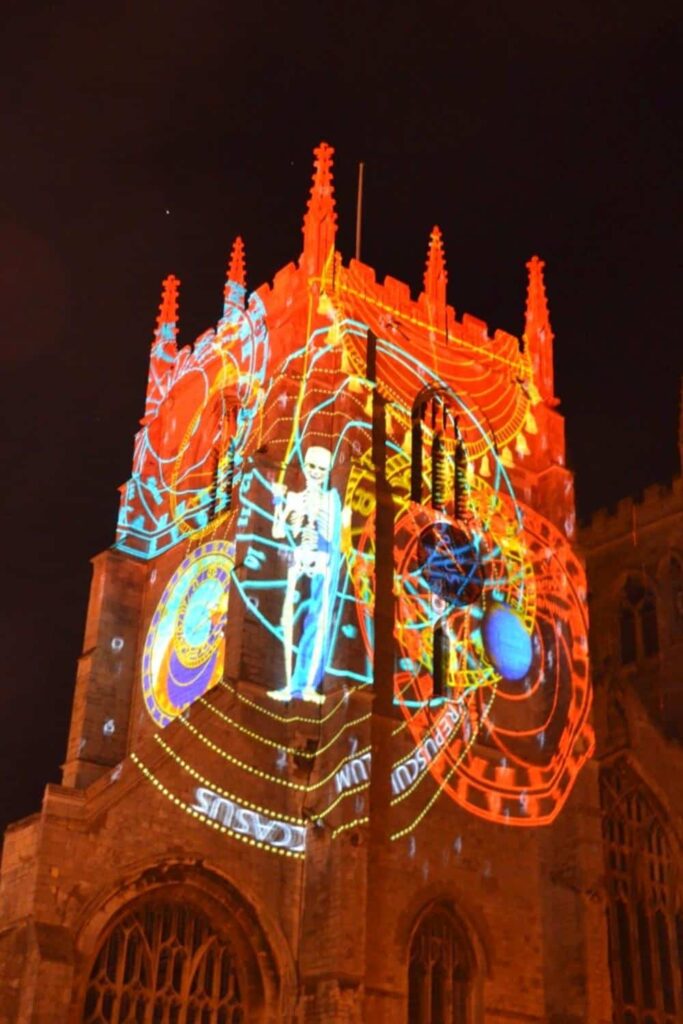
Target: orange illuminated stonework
x=330 y=751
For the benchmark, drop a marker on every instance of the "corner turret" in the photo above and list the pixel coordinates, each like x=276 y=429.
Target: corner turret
x=164 y=349
x=236 y=280
x=538 y=334
x=436 y=278
x=320 y=220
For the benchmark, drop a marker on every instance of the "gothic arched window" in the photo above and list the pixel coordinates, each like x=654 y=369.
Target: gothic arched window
x=163 y=961
x=644 y=910
x=440 y=970
x=676 y=595
x=638 y=630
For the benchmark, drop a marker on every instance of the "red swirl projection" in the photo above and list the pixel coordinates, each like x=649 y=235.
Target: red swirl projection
x=497 y=594
x=518 y=744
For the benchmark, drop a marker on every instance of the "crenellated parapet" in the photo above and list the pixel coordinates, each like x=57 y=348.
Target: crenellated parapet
x=538 y=334
x=631 y=516
x=633 y=555
x=320 y=220
x=234 y=291
x=164 y=349
x=205 y=396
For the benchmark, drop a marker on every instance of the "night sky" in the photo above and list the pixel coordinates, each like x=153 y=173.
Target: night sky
x=139 y=138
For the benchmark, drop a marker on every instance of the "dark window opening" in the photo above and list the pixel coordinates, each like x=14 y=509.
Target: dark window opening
x=440 y=656
x=643 y=911
x=627 y=631
x=648 y=618
x=164 y=962
x=439 y=974
x=638 y=626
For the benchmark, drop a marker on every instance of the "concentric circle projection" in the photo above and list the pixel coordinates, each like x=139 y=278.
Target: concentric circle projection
x=496 y=597
x=185 y=645
x=453 y=588
x=240 y=350
x=210 y=405
x=519 y=681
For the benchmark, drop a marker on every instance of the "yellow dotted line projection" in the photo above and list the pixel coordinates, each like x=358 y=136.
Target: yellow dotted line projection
x=349 y=824
x=353 y=791
x=274 y=743
x=223 y=792
x=231 y=759
x=437 y=792
x=193 y=813
x=307 y=719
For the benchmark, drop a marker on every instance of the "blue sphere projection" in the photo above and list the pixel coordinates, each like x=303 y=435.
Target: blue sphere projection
x=506 y=641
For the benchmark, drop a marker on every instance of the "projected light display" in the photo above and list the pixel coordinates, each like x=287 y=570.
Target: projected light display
x=506 y=641
x=518 y=672
x=184 y=650
x=205 y=407
x=265 y=457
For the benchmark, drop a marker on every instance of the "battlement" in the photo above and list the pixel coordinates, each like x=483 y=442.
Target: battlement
x=657 y=501
x=475 y=328
x=394 y=303
x=171 y=492
x=320 y=267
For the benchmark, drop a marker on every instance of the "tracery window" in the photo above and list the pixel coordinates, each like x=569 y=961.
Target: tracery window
x=645 y=915
x=440 y=971
x=638 y=630
x=163 y=963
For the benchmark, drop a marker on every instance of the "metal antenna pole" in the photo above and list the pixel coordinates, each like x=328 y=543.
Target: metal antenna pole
x=359 y=207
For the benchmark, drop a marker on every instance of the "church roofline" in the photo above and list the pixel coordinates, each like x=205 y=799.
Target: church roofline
x=609 y=525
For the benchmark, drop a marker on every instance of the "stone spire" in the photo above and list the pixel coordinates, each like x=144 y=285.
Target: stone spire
x=320 y=219
x=538 y=334
x=236 y=280
x=164 y=350
x=436 y=276
x=237 y=270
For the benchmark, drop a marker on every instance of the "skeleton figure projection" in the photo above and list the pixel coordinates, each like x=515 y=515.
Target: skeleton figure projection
x=405 y=557
x=310 y=520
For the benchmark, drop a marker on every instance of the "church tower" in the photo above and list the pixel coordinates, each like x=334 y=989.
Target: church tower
x=330 y=749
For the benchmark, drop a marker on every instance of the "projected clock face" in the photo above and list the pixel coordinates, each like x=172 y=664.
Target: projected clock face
x=185 y=645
